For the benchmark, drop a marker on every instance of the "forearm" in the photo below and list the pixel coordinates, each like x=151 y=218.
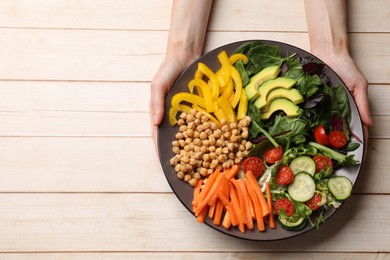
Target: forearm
x=189 y=22
x=327 y=26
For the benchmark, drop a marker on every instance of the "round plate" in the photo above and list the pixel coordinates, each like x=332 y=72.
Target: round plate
x=166 y=134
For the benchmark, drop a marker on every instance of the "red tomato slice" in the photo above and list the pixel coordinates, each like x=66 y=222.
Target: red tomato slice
x=314 y=202
x=286 y=205
x=253 y=164
x=320 y=135
x=273 y=154
x=323 y=163
x=337 y=139
x=285 y=175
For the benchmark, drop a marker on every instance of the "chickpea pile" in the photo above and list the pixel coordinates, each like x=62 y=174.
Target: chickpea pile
x=201 y=146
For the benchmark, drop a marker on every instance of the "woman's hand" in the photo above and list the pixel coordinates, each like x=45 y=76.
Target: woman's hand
x=162 y=82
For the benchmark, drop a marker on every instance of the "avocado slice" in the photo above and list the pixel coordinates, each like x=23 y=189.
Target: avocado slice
x=284 y=104
x=291 y=94
x=255 y=81
x=268 y=86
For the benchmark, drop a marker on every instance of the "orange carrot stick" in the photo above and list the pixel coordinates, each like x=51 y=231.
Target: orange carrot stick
x=218 y=213
x=211 y=211
x=202 y=215
x=247 y=213
x=236 y=206
x=208 y=192
x=232 y=214
x=272 y=223
x=233 y=171
x=227 y=222
x=206 y=188
x=257 y=207
x=252 y=180
x=223 y=198
x=197 y=191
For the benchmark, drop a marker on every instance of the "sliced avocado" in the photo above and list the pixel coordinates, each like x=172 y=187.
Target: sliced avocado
x=255 y=81
x=270 y=85
x=286 y=105
x=291 y=94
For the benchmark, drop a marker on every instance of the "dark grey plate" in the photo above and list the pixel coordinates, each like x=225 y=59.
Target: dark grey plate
x=166 y=134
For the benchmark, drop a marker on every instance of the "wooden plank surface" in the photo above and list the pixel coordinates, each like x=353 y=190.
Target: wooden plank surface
x=79 y=177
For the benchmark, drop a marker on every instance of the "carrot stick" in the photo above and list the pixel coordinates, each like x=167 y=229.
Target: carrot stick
x=233 y=171
x=211 y=211
x=209 y=191
x=223 y=198
x=222 y=182
x=227 y=222
x=252 y=180
x=197 y=191
x=202 y=215
x=236 y=206
x=257 y=207
x=272 y=223
x=206 y=188
x=218 y=213
x=232 y=214
x=246 y=200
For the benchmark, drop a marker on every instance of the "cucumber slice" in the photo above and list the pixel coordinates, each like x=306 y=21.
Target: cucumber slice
x=302 y=187
x=340 y=187
x=293 y=226
x=303 y=164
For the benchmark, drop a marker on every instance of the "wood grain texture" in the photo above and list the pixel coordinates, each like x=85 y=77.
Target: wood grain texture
x=79 y=176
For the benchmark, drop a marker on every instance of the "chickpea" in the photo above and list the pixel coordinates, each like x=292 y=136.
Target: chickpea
x=197 y=142
x=203 y=149
x=217 y=133
x=212 y=148
x=214 y=163
x=190 y=132
x=206 y=164
x=206 y=143
x=233 y=139
x=198 y=115
x=223 y=122
x=185 y=159
x=187 y=177
x=213 y=126
x=180 y=122
x=206 y=157
x=191 y=125
x=241 y=147
x=221 y=158
x=196 y=175
x=188 y=140
x=182 y=128
x=203 y=171
x=204 y=119
x=173 y=161
x=233 y=125
x=227 y=135
x=180 y=175
x=225 y=128
x=193 y=111
x=197 y=121
x=175 y=143
x=179 y=136
x=203 y=136
x=218 y=151
x=190 y=118
x=248 y=145
x=196 y=134
x=193 y=182
x=183 y=116
x=245 y=135
x=175 y=149
x=178 y=168
x=220 y=142
x=213 y=155
x=212 y=140
x=182 y=143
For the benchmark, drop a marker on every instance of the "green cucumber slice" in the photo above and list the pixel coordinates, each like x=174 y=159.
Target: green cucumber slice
x=293 y=226
x=302 y=187
x=340 y=187
x=303 y=164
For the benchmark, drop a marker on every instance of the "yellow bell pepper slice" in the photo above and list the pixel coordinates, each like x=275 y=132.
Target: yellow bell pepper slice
x=173 y=112
x=224 y=71
x=238 y=56
x=212 y=77
x=242 y=106
x=211 y=105
x=238 y=86
x=187 y=97
x=227 y=109
x=228 y=91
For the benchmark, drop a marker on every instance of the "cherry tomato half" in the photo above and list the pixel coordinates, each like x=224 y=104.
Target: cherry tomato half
x=320 y=135
x=337 y=139
x=253 y=164
x=286 y=205
x=323 y=163
x=273 y=154
x=314 y=202
x=285 y=175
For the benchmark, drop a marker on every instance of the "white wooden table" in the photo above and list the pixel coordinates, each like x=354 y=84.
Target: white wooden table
x=79 y=177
